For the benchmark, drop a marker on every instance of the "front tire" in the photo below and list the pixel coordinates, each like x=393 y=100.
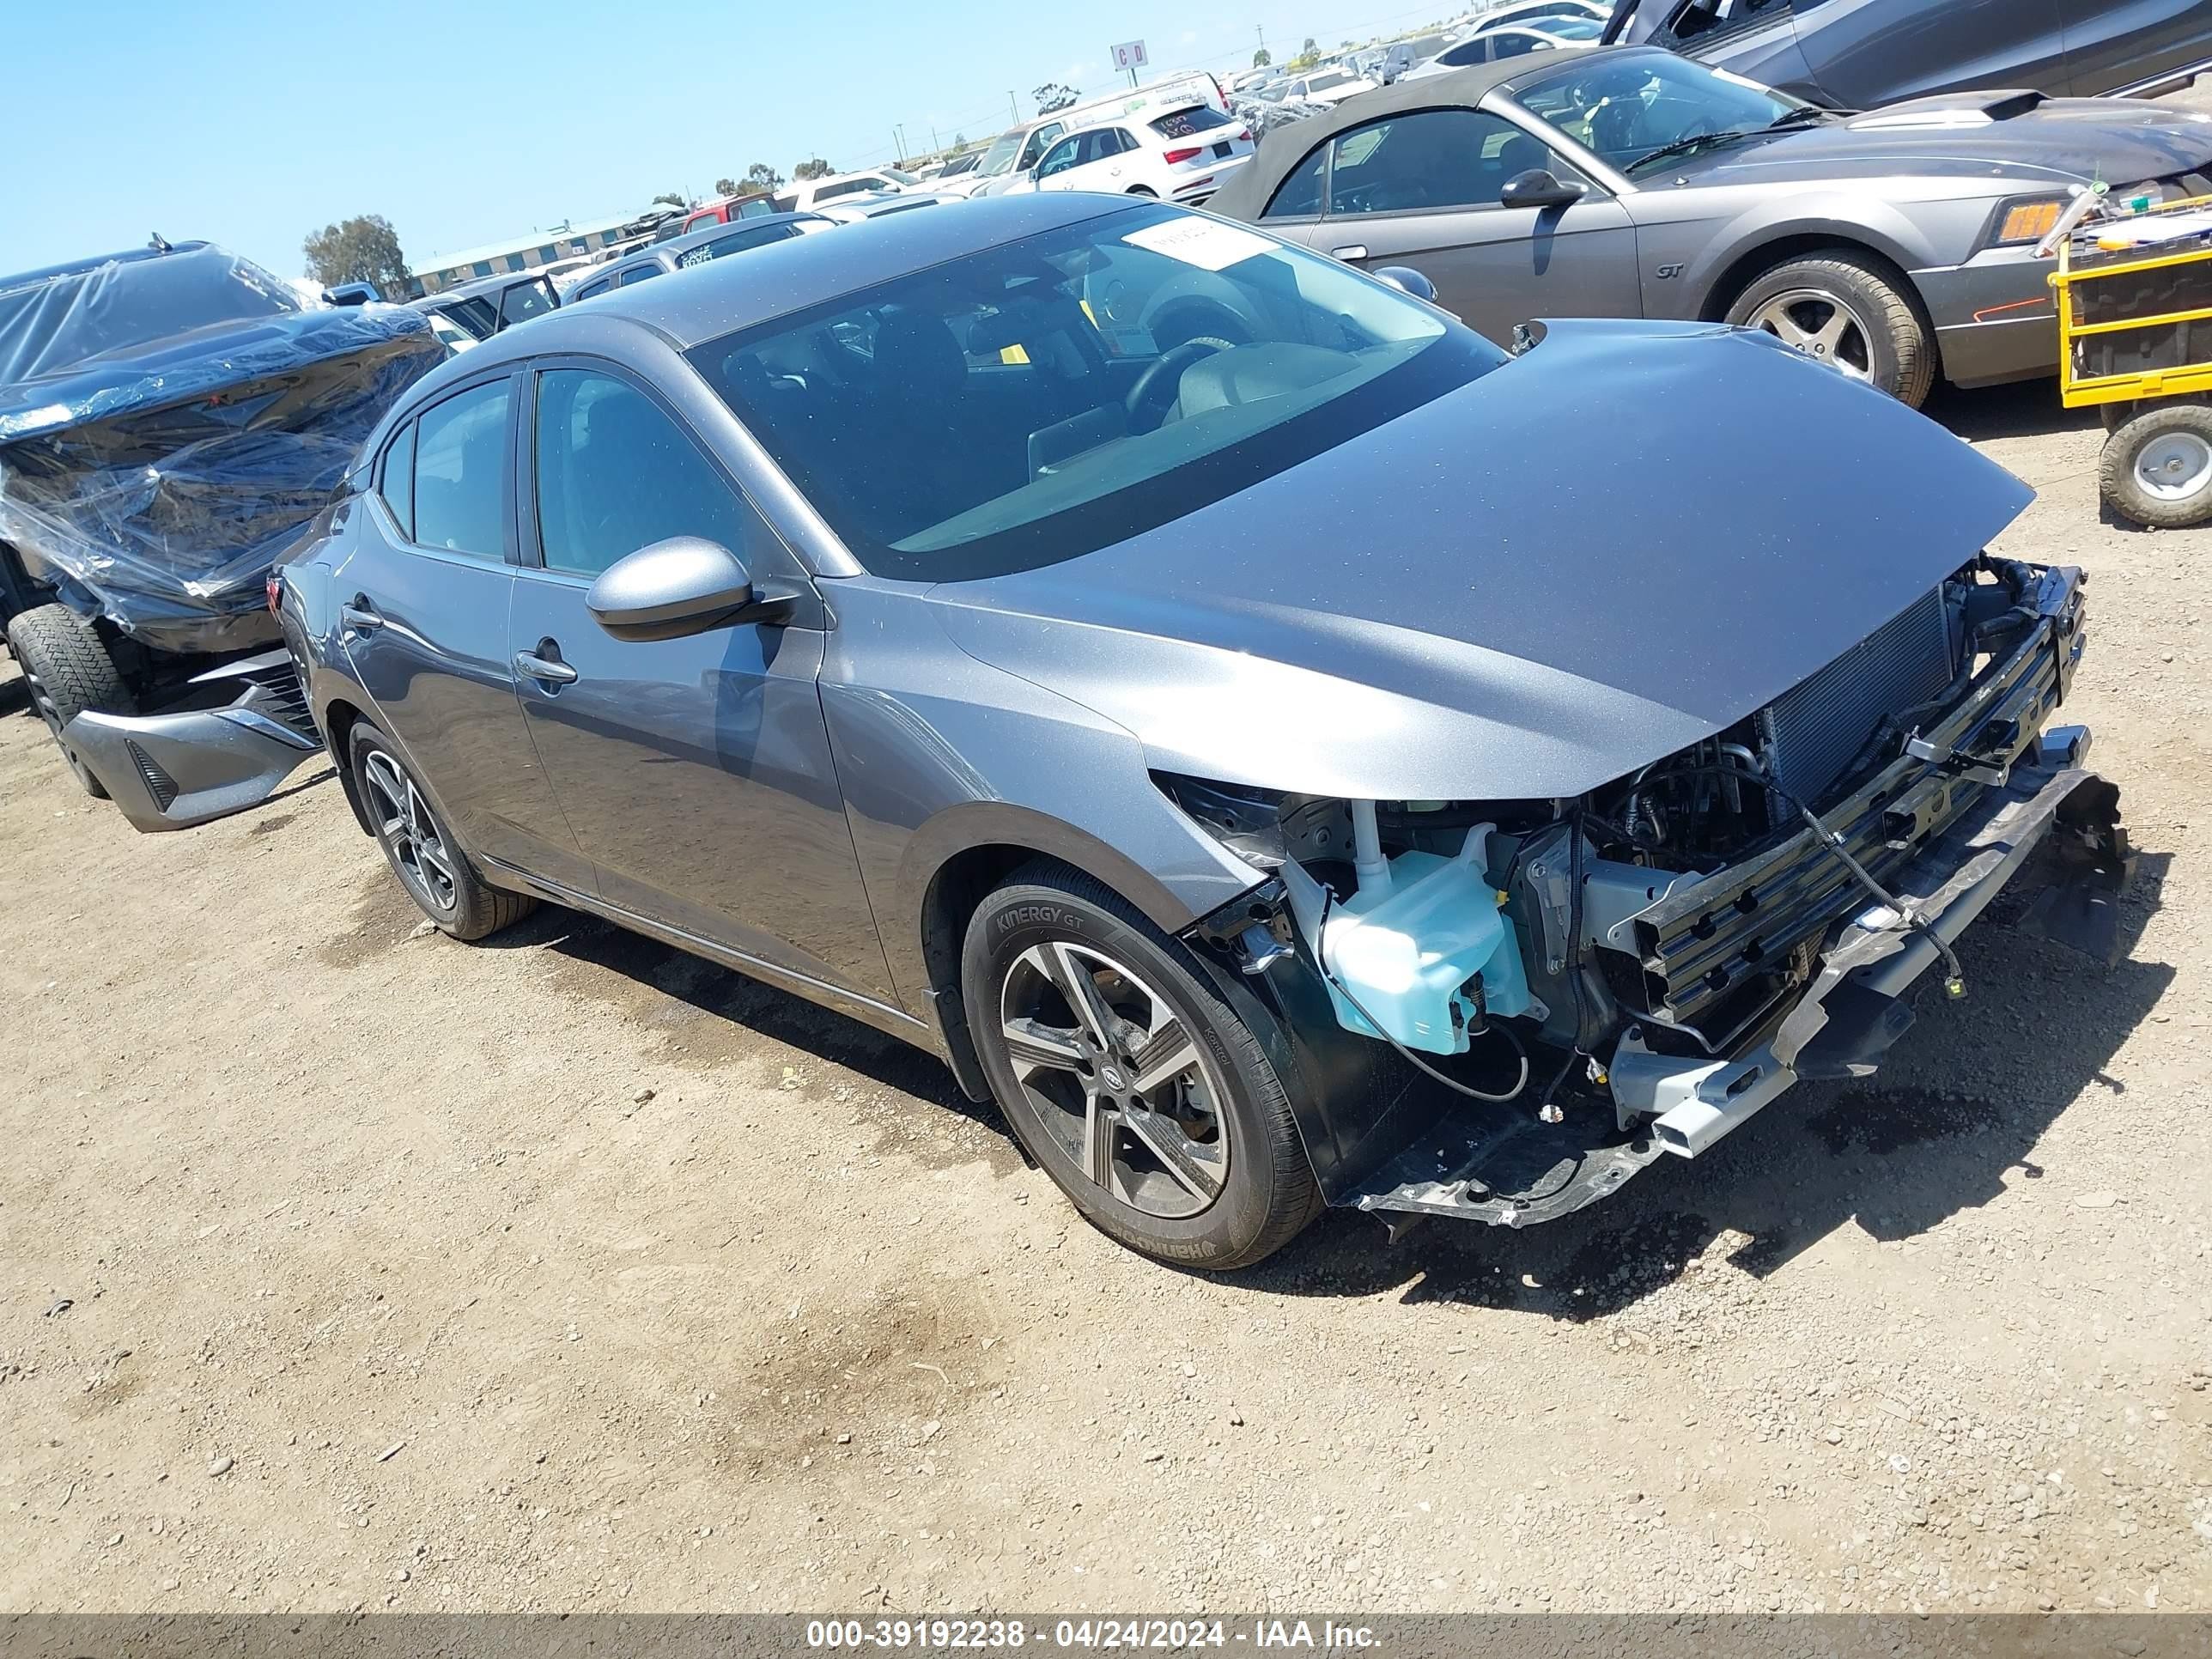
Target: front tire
x=1849 y=312
x=431 y=866
x=2156 y=469
x=1128 y=1079
x=67 y=670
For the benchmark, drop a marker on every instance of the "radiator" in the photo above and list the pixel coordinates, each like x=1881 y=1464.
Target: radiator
x=1809 y=734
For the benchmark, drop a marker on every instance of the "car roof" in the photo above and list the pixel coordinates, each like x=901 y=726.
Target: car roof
x=1253 y=185
x=78 y=267
x=479 y=285
x=724 y=295
x=679 y=246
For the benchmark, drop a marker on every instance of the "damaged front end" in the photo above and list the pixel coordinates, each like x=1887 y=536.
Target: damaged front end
x=1502 y=1009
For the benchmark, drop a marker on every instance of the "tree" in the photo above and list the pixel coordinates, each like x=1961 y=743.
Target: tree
x=1052 y=95
x=813 y=167
x=1260 y=59
x=674 y=199
x=725 y=187
x=362 y=249
x=1309 y=55
x=760 y=178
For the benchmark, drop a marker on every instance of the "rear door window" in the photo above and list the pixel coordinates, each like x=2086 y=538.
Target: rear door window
x=460 y=473
x=637 y=274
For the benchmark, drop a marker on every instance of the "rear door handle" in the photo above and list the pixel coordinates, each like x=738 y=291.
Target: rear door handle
x=547 y=670
x=1351 y=251
x=360 y=617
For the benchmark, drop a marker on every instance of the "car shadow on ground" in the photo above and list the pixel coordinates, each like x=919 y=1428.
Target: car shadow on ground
x=634 y=972
x=1890 y=1153
x=2030 y=409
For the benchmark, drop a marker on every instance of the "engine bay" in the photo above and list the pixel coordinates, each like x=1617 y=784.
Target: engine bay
x=1518 y=951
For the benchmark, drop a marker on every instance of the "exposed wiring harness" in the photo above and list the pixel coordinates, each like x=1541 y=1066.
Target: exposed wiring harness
x=1321 y=959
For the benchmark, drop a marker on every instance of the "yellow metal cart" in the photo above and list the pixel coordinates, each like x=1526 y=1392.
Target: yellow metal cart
x=2135 y=330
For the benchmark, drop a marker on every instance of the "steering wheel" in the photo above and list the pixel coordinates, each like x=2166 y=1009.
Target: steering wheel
x=1166 y=373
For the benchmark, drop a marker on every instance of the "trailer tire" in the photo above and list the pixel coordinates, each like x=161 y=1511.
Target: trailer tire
x=2156 y=469
x=69 y=671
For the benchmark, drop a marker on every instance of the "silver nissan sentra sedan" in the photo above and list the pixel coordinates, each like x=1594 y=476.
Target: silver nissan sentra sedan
x=1281 y=747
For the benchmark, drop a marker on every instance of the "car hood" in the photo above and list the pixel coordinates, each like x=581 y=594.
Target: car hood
x=1625 y=541
x=2114 y=140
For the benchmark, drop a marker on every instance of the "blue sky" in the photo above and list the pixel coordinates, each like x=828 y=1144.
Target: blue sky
x=251 y=123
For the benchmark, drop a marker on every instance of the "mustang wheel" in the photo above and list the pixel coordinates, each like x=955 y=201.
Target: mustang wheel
x=1130 y=1081
x=2157 y=468
x=1847 y=312
x=67 y=669
x=421 y=850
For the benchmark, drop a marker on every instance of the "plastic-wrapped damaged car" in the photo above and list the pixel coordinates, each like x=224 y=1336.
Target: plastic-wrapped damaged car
x=170 y=419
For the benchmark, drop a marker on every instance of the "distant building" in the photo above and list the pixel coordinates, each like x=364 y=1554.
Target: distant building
x=442 y=270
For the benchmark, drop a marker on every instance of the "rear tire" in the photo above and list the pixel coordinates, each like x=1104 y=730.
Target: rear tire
x=1880 y=338
x=69 y=671
x=1142 y=190
x=2156 y=469
x=433 y=869
x=1201 y=1167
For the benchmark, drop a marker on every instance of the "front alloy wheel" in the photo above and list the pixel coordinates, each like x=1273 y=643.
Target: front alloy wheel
x=1115 y=1078
x=1822 y=326
x=1129 y=1076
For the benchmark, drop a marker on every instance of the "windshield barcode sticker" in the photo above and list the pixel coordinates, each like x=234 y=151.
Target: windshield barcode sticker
x=1206 y=243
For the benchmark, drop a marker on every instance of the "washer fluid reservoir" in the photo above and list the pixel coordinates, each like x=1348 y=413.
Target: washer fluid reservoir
x=1410 y=951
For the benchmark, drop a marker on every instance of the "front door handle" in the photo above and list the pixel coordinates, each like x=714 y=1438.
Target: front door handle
x=1351 y=251
x=547 y=670
x=359 y=617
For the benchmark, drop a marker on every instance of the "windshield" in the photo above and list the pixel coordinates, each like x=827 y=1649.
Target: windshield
x=1324 y=82
x=1628 y=108
x=1572 y=28
x=1000 y=156
x=1033 y=401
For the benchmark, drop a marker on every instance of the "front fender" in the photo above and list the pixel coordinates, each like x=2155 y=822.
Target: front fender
x=1715 y=271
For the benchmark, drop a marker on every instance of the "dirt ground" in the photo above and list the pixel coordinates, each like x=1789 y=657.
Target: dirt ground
x=347 y=1267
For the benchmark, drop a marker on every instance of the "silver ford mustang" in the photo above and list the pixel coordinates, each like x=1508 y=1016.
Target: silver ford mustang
x=1896 y=244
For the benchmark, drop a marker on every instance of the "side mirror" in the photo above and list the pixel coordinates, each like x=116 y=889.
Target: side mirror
x=1537 y=188
x=683 y=586
x=1408 y=279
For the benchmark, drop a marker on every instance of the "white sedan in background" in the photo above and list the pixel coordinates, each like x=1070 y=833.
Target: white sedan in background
x=1184 y=155
x=1326 y=86
x=1491 y=45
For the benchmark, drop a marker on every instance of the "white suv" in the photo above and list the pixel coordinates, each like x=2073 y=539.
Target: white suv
x=1184 y=155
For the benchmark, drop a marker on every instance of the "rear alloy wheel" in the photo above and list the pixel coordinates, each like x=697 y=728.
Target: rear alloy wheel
x=1133 y=1085
x=2157 y=468
x=423 y=853
x=1847 y=312
x=68 y=672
